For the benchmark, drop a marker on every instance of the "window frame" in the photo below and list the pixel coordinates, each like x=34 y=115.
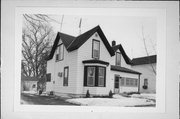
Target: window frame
x=116 y=59
x=47 y=77
x=145 y=82
x=58 y=50
x=93 y=41
x=94 y=76
x=104 y=75
x=96 y=79
x=64 y=80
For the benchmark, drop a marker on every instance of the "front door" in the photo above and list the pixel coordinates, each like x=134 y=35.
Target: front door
x=116 y=84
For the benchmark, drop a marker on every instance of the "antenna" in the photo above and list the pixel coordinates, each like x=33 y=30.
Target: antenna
x=61 y=22
x=80 y=26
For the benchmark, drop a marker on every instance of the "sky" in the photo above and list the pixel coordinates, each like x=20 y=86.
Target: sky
x=125 y=30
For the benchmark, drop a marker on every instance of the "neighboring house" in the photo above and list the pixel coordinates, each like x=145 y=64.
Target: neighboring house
x=28 y=83
x=145 y=65
x=89 y=62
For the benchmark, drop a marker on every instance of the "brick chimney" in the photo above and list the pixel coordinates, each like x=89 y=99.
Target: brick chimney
x=113 y=43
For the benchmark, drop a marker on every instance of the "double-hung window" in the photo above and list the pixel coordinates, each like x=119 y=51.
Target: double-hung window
x=96 y=49
x=60 y=52
x=101 y=75
x=90 y=76
x=118 y=59
x=66 y=73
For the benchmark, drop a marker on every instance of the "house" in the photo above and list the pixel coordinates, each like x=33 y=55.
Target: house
x=28 y=83
x=89 y=62
x=147 y=66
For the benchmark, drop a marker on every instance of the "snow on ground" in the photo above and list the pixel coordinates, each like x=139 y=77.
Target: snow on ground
x=117 y=100
x=145 y=96
x=30 y=92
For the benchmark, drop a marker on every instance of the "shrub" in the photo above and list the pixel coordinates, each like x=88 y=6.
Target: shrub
x=51 y=93
x=110 y=94
x=87 y=94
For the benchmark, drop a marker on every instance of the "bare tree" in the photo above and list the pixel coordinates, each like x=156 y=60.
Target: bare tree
x=36 y=43
x=146 y=50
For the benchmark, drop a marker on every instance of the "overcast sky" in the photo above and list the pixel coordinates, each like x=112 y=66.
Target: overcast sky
x=125 y=30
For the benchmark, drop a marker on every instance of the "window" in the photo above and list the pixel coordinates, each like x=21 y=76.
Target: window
x=94 y=76
x=48 y=77
x=90 y=76
x=145 y=82
x=122 y=81
x=127 y=82
x=66 y=73
x=101 y=76
x=116 y=85
x=118 y=58
x=60 y=52
x=96 y=49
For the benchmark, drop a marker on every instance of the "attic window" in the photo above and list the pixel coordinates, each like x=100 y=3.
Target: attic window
x=95 y=49
x=60 y=52
x=118 y=59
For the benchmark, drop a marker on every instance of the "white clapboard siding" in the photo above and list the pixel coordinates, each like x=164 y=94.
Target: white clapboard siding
x=85 y=53
x=127 y=75
x=54 y=67
x=123 y=62
x=147 y=72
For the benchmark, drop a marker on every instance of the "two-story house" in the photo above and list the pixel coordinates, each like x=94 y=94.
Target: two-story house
x=89 y=62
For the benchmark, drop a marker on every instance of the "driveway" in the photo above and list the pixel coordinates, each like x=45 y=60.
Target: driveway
x=32 y=99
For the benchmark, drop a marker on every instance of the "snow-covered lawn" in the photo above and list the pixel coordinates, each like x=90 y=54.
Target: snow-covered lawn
x=117 y=100
x=145 y=96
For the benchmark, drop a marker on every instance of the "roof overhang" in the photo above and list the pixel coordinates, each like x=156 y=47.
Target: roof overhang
x=123 y=69
x=93 y=61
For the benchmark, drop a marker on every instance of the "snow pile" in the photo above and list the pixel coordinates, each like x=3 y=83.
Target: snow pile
x=145 y=96
x=30 y=92
x=117 y=96
x=118 y=101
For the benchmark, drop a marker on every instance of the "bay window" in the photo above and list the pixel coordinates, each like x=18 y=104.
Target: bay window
x=94 y=76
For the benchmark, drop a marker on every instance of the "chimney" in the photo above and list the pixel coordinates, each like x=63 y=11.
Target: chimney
x=113 y=43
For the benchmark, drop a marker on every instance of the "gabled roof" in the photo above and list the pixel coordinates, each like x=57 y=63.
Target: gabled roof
x=127 y=59
x=144 y=60
x=123 y=69
x=72 y=43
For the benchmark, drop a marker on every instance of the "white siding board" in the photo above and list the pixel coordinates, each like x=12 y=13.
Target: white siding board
x=147 y=72
x=53 y=66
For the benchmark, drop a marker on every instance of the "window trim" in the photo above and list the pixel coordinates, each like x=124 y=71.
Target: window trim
x=94 y=77
x=58 y=48
x=101 y=77
x=67 y=67
x=96 y=81
x=93 y=49
x=116 y=59
x=50 y=77
x=146 y=83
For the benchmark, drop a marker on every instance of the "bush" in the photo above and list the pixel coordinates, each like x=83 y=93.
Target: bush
x=110 y=94
x=145 y=87
x=51 y=93
x=87 y=94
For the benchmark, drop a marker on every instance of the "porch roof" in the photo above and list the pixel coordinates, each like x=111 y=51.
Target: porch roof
x=123 y=69
x=95 y=61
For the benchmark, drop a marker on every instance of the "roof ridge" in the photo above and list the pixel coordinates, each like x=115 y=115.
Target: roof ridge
x=82 y=34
